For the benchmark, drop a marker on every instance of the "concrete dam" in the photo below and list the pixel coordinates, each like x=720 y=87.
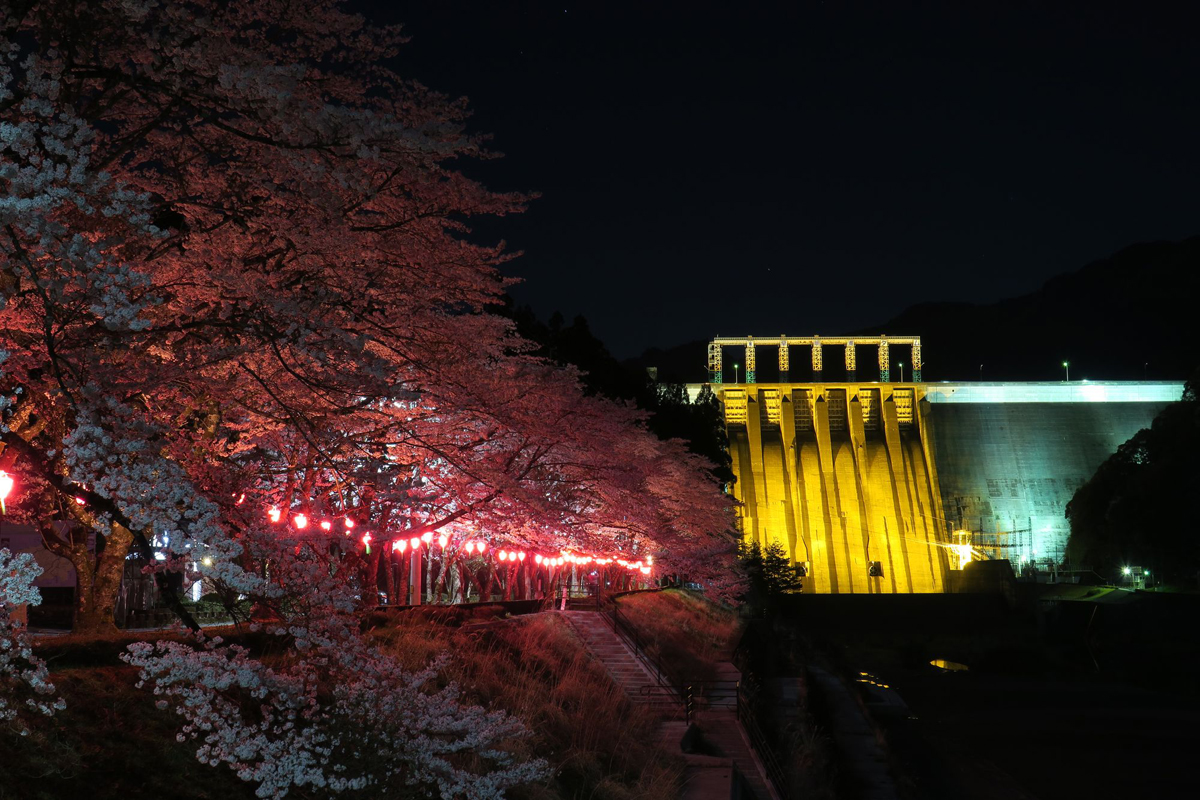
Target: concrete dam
x=883 y=487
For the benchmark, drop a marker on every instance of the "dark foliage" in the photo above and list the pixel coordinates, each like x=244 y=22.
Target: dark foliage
x=769 y=575
x=700 y=424
x=1137 y=508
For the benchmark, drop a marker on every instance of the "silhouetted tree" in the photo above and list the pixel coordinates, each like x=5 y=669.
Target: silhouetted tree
x=779 y=576
x=769 y=574
x=1136 y=509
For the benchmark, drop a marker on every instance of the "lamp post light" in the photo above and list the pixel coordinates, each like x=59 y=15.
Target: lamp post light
x=735 y=372
x=900 y=364
x=1067 y=367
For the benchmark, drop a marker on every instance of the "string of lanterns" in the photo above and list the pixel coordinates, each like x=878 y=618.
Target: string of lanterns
x=301 y=521
x=471 y=546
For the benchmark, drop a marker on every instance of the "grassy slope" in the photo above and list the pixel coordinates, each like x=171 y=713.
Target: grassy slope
x=599 y=743
x=112 y=742
x=689 y=633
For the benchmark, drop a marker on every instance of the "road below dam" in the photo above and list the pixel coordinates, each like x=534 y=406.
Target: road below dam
x=869 y=486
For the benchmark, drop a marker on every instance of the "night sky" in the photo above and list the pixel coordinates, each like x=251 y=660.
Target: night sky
x=816 y=167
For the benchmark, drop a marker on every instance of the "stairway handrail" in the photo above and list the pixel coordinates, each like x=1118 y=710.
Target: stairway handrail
x=686 y=691
x=758 y=740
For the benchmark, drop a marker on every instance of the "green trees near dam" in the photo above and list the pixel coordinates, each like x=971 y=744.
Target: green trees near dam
x=1139 y=507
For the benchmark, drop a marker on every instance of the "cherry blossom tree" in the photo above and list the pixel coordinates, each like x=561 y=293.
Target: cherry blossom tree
x=24 y=679
x=237 y=274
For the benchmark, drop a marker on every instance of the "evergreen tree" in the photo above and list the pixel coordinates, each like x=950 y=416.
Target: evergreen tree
x=778 y=575
x=769 y=574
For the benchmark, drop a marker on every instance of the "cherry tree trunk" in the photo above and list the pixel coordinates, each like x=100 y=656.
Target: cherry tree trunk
x=98 y=580
x=485 y=593
x=401 y=582
x=388 y=582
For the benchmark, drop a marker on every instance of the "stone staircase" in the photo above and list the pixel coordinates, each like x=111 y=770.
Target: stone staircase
x=708 y=777
x=629 y=672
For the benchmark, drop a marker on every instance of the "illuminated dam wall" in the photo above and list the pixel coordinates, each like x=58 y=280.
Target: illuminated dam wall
x=846 y=474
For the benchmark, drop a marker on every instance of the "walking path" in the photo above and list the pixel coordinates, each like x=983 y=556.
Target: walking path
x=629 y=672
x=707 y=776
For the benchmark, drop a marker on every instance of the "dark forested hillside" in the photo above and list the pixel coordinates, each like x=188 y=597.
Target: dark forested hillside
x=1127 y=317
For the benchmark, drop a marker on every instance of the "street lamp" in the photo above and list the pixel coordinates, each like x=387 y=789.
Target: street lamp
x=735 y=372
x=901 y=365
x=981 y=373
x=1067 y=367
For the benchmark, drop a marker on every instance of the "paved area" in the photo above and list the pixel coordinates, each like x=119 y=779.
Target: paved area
x=722 y=729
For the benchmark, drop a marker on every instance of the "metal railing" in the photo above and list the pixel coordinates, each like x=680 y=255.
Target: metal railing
x=627 y=631
x=696 y=695
x=746 y=715
x=692 y=694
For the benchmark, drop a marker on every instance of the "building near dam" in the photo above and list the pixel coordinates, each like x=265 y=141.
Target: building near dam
x=882 y=486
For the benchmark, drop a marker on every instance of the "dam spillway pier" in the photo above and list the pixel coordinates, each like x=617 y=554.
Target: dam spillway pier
x=870 y=486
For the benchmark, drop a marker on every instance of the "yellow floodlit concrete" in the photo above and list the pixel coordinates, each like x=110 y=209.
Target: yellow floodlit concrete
x=841 y=476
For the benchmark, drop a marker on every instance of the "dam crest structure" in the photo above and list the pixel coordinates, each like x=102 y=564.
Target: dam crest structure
x=893 y=487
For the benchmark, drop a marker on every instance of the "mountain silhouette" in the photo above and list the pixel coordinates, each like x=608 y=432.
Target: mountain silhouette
x=1131 y=316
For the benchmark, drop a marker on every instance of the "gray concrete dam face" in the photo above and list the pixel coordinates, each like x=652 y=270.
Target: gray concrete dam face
x=871 y=485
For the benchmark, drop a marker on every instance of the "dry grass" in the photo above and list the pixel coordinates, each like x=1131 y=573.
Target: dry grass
x=688 y=632
x=112 y=742
x=600 y=745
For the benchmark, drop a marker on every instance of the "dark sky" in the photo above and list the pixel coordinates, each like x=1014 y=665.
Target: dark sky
x=815 y=167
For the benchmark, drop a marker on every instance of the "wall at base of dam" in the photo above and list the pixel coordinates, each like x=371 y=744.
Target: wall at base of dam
x=864 y=483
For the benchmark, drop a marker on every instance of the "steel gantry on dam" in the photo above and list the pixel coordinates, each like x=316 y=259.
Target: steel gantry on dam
x=816 y=345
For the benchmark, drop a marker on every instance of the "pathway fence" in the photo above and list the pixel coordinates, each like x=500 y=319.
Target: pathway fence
x=695 y=695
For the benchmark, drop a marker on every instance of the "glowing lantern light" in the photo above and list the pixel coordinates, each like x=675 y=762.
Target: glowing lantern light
x=366 y=540
x=443 y=540
x=400 y=545
x=482 y=546
x=6 y=487
x=415 y=543
x=502 y=555
x=645 y=570
x=274 y=514
x=349 y=523
x=81 y=501
x=469 y=547
x=521 y=555
x=241 y=499
x=301 y=521
x=427 y=537
x=326 y=525
x=538 y=558
x=650 y=560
